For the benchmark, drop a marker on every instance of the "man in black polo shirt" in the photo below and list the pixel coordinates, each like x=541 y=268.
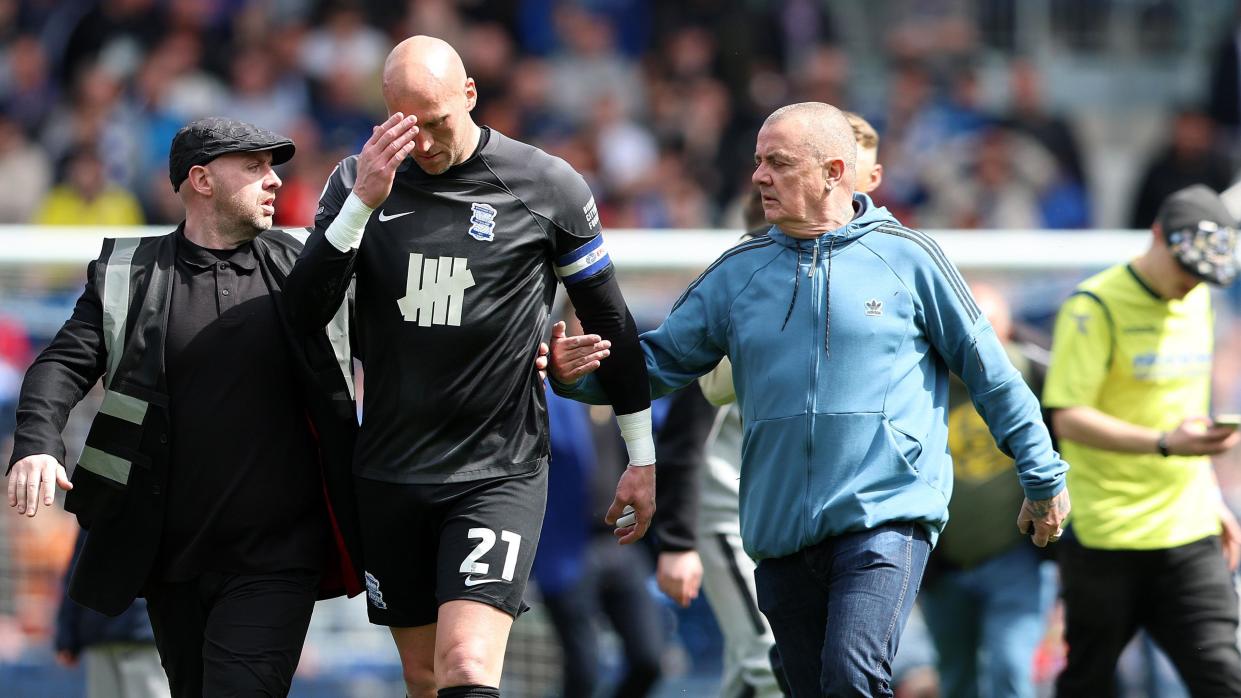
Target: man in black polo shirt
x=202 y=481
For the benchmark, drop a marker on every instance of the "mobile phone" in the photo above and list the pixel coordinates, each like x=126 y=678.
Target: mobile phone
x=1227 y=421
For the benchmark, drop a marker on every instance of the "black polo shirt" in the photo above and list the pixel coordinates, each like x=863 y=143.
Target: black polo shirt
x=245 y=494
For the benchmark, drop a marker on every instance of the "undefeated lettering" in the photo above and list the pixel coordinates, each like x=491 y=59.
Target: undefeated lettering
x=435 y=290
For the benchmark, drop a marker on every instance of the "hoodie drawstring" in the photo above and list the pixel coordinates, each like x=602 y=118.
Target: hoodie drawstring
x=796 y=285
x=827 y=331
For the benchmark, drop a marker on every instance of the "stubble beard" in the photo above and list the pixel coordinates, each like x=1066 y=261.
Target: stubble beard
x=243 y=220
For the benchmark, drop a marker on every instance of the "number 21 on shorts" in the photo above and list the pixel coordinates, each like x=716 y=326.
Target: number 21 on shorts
x=486 y=541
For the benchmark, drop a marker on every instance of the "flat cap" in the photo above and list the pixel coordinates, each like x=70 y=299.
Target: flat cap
x=199 y=142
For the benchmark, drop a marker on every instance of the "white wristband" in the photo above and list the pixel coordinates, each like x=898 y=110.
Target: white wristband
x=345 y=233
x=635 y=429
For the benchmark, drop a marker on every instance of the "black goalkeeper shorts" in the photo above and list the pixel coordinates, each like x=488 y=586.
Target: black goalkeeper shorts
x=426 y=544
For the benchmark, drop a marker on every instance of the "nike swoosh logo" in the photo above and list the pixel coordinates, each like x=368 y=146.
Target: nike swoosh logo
x=469 y=582
x=383 y=218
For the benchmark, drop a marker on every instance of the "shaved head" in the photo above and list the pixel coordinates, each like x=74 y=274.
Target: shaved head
x=424 y=76
x=827 y=131
x=421 y=65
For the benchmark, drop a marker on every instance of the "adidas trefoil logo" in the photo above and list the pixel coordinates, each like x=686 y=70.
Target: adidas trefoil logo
x=874 y=307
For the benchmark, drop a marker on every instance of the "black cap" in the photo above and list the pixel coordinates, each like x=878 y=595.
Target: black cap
x=1201 y=233
x=199 y=142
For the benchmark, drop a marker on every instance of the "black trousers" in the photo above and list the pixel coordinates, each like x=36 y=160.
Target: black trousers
x=232 y=635
x=1183 y=597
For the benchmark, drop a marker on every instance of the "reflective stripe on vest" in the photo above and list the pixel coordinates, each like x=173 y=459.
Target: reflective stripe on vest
x=116 y=301
x=106 y=465
x=130 y=409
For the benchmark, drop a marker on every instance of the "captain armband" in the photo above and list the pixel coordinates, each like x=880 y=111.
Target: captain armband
x=583 y=263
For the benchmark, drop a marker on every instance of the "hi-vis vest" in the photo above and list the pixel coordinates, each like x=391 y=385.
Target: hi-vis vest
x=133 y=278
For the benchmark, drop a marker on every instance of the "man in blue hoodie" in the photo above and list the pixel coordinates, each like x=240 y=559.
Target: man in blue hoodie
x=842 y=383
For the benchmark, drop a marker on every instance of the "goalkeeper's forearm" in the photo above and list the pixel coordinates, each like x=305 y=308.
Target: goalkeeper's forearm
x=622 y=376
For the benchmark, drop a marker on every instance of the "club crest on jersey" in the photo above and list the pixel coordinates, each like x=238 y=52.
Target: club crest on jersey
x=483 y=222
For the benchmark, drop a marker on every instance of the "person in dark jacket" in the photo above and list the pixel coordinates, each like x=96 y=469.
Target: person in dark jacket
x=215 y=478
x=118 y=652
x=584 y=577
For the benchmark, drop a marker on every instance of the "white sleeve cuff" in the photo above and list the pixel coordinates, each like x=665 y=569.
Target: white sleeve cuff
x=635 y=429
x=345 y=233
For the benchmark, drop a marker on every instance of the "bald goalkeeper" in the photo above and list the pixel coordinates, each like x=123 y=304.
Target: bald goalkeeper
x=456 y=236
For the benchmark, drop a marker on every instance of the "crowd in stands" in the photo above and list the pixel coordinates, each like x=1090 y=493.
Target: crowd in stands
x=657 y=103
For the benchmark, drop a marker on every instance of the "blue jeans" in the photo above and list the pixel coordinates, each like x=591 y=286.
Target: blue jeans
x=987 y=622
x=837 y=608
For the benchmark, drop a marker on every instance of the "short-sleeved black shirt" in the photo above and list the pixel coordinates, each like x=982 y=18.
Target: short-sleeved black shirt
x=456 y=274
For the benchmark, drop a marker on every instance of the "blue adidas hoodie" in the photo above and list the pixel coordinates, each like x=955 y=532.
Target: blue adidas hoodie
x=841 y=348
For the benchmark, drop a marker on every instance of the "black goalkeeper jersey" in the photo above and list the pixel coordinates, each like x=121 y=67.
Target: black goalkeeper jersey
x=455 y=276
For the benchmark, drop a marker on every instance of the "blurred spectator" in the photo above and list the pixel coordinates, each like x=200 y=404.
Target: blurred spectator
x=689 y=54
x=909 y=135
x=822 y=76
x=995 y=180
x=115 y=31
x=583 y=575
x=987 y=589
x=1193 y=156
x=489 y=53
x=627 y=151
x=26 y=85
x=173 y=84
x=96 y=117
x=340 y=113
x=25 y=171
x=962 y=111
x=263 y=96
x=1028 y=115
x=344 y=46
x=438 y=18
x=85 y=197
x=668 y=197
x=119 y=653
x=589 y=67
x=531 y=87
x=803 y=27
